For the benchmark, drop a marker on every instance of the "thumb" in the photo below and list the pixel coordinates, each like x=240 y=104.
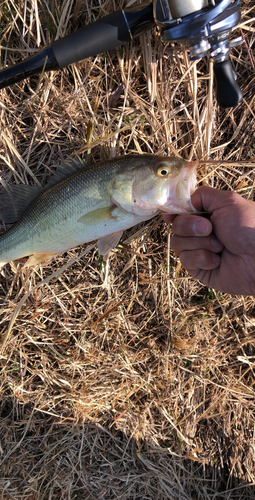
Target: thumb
x=207 y=199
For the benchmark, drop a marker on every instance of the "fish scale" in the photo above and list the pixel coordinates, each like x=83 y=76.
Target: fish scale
x=50 y=215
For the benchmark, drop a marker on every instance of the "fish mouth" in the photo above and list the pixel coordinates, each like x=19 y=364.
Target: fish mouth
x=179 y=197
x=190 y=178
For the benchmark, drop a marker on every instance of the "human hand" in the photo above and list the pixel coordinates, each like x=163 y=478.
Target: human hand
x=220 y=252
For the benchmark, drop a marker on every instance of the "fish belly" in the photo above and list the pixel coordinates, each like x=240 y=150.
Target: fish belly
x=74 y=211
x=62 y=233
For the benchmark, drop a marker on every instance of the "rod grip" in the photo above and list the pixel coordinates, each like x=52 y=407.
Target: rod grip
x=45 y=59
x=104 y=34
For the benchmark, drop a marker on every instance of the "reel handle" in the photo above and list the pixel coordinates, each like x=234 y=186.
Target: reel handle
x=228 y=92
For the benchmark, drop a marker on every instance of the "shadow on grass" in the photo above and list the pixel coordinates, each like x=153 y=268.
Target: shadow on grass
x=42 y=458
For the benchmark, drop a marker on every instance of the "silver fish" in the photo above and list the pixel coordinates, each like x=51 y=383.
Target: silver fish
x=82 y=203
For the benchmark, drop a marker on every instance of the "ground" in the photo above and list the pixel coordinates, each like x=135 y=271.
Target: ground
x=143 y=389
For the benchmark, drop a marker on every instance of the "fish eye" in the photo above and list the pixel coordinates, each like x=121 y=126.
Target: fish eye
x=163 y=170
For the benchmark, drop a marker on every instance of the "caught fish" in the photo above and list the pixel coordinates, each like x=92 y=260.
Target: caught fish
x=82 y=203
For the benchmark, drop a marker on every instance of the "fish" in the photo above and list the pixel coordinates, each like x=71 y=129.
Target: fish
x=97 y=201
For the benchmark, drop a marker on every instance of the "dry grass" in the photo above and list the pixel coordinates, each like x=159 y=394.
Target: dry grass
x=144 y=389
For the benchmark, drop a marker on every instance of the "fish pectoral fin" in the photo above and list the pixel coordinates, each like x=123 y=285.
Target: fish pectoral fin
x=39 y=258
x=100 y=215
x=107 y=243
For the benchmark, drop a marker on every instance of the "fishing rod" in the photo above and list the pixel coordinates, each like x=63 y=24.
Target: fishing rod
x=203 y=26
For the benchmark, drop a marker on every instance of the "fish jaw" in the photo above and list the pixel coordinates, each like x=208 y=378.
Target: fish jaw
x=179 y=191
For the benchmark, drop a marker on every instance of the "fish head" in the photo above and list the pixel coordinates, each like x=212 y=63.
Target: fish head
x=155 y=183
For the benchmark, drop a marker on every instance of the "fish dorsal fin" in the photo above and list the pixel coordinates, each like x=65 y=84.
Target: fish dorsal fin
x=16 y=199
x=66 y=167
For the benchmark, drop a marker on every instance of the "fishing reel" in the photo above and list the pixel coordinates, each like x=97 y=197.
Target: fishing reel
x=203 y=26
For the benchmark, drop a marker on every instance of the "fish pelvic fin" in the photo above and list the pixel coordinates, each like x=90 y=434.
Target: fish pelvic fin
x=107 y=243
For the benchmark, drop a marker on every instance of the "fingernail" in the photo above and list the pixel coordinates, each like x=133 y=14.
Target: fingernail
x=216 y=259
x=216 y=244
x=200 y=226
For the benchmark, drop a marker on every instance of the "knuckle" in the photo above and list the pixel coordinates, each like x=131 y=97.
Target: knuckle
x=187 y=259
x=202 y=259
x=195 y=259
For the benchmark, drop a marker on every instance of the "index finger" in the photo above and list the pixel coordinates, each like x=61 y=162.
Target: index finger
x=207 y=199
